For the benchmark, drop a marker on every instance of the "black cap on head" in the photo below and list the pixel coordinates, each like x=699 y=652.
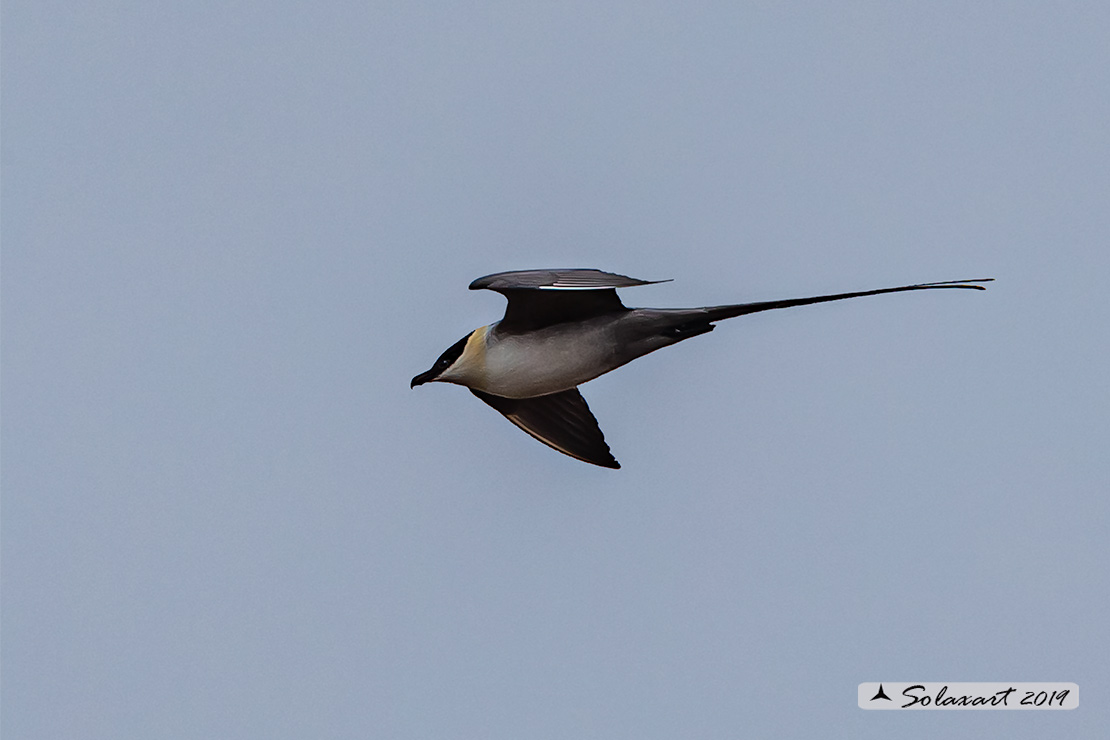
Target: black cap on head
x=446 y=360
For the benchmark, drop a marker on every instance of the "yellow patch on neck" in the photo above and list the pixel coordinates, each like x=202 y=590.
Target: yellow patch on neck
x=476 y=342
x=472 y=363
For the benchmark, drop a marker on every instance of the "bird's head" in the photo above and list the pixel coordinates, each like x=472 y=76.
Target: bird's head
x=441 y=371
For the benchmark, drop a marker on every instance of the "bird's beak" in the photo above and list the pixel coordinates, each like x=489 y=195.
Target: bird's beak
x=421 y=379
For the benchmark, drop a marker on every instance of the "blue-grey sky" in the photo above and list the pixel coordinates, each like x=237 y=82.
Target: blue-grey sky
x=232 y=232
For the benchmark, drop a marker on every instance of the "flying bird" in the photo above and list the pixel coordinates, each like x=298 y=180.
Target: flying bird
x=563 y=328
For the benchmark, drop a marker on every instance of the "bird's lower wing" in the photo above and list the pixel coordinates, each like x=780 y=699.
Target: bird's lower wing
x=561 y=421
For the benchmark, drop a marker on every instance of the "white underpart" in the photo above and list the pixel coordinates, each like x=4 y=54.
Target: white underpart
x=534 y=364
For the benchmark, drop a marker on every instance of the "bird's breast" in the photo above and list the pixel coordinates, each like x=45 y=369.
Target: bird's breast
x=546 y=361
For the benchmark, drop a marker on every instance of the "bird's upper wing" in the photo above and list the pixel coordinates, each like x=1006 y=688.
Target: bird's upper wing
x=539 y=298
x=560 y=420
